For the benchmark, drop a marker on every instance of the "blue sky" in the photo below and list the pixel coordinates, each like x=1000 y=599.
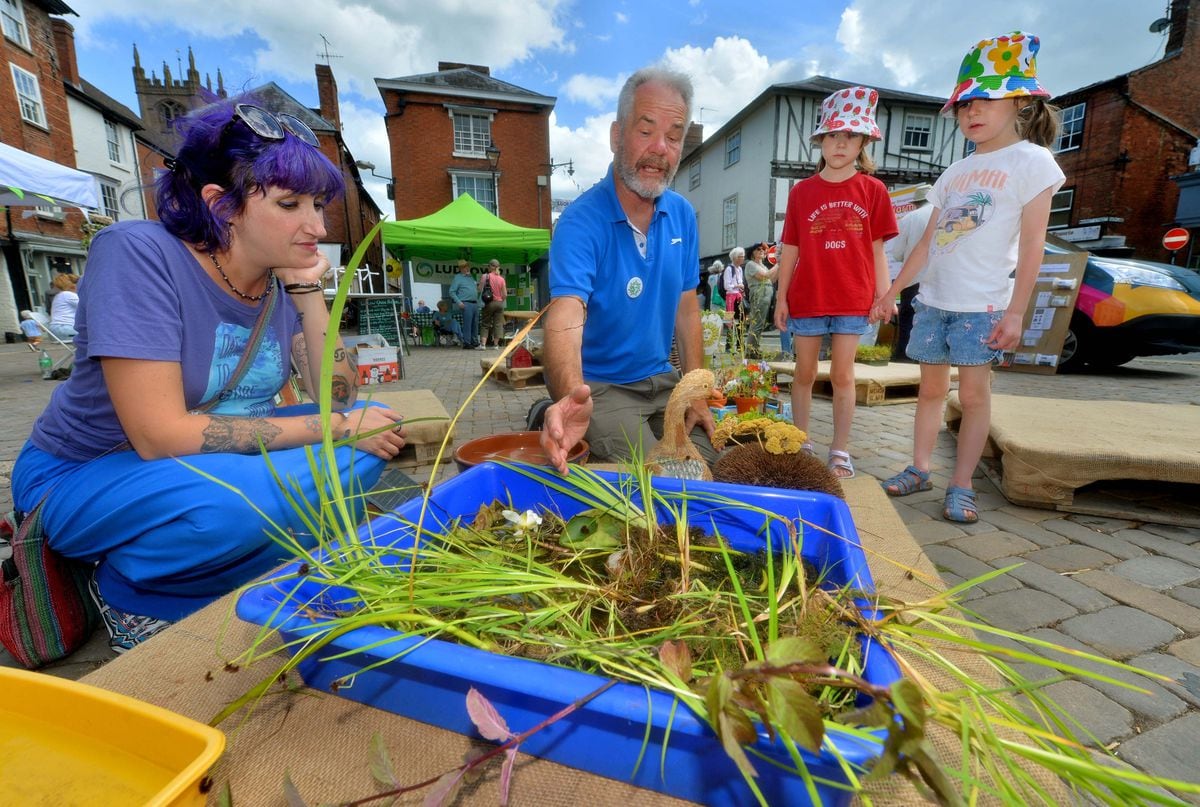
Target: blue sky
x=580 y=52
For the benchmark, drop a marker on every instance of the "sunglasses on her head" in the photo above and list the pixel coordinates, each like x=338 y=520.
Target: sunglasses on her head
x=272 y=127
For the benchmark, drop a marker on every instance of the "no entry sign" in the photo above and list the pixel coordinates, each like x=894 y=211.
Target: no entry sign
x=1176 y=238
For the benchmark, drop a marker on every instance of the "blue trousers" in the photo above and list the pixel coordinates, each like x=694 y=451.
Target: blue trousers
x=470 y=324
x=167 y=539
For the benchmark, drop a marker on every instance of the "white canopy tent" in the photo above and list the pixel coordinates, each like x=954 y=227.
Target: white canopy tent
x=29 y=180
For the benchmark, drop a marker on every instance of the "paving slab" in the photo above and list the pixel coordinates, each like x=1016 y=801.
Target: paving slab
x=1080 y=534
x=1120 y=631
x=991 y=545
x=1188 y=650
x=1005 y=520
x=1085 y=598
x=1187 y=535
x=1156 y=572
x=1071 y=558
x=948 y=559
x=1171 y=750
x=1021 y=610
x=1096 y=719
x=1186 y=677
x=1171 y=547
x=1147 y=599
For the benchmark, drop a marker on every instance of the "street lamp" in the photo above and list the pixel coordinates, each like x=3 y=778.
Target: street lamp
x=493 y=158
x=391 y=181
x=570 y=165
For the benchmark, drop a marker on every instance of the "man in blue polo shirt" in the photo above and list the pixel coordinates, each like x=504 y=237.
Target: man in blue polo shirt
x=623 y=274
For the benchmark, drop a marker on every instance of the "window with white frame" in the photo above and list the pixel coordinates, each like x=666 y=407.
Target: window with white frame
x=13 y=16
x=918 y=131
x=1071 y=136
x=472 y=134
x=733 y=148
x=113 y=134
x=729 y=222
x=1060 y=208
x=108 y=199
x=482 y=188
x=29 y=96
x=694 y=174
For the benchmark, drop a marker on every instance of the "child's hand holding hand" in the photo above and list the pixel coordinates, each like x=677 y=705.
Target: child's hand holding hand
x=883 y=309
x=1007 y=332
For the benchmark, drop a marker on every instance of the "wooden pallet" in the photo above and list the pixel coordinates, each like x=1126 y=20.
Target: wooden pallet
x=514 y=377
x=895 y=383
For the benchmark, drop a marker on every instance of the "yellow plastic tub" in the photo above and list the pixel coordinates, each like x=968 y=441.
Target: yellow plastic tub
x=66 y=743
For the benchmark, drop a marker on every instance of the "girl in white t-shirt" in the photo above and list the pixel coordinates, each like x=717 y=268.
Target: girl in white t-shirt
x=989 y=219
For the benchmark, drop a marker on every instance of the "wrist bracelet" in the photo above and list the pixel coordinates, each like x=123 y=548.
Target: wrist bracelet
x=303 y=288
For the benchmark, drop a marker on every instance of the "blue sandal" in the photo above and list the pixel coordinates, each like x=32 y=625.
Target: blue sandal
x=910 y=480
x=960 y=505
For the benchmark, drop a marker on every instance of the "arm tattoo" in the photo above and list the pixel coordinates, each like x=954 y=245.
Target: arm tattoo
x=234 y=435
x=342 y=390
x=313 y=423
x=339 y=354
x=300 y=353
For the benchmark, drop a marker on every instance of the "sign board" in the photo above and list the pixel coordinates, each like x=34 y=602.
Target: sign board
x=1176 y=238
x=1048 y=316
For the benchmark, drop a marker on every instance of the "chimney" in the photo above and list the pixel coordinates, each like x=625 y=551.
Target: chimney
x=1180 y=23
x=64 y=47
x=693 y=138
x=328 y=96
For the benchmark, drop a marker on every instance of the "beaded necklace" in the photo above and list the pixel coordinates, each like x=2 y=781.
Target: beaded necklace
x=254 y=298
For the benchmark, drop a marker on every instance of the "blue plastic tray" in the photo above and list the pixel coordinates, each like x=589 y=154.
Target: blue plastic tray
x=607 y=736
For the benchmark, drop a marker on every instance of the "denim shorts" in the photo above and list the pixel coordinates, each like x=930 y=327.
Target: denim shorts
x=819 y=326
x=952 y=337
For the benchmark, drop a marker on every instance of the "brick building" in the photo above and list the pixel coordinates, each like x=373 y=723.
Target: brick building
x=440 y=129
x=35 y=242
x=1122 y=141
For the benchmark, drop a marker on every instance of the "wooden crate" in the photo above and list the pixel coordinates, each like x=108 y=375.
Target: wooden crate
x=514 y=377
x=425 y=438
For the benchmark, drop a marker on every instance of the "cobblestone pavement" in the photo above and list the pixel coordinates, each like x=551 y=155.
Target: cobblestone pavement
x=1120 y=588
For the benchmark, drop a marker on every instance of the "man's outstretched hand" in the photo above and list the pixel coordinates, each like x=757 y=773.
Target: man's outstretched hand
x=565 y=423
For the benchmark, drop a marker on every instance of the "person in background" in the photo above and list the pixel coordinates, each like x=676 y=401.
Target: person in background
x=62 y=310
x=623 y=287
x=912 y=227
x=980 y=255
x=31 y=329
x=444 y=321
x=464 y=293
x=157 y=459
x=733 y=283
x=760 y=282
x=422 y=308
x=492 y=319
x=833 y=267
x=716 y=300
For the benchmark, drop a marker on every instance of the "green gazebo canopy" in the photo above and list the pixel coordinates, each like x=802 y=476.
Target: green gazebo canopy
x=464 y=229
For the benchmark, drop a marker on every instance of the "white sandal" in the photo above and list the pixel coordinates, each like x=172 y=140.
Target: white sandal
x=839 y=462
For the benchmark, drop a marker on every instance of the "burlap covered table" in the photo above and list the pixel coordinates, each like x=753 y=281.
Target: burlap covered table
x=323 y=742
x=1050 y=447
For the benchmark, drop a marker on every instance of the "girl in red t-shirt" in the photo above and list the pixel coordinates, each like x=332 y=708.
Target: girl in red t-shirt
x=833 y=268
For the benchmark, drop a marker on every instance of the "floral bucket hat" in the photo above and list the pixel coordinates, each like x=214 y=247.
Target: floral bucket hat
x=850 y=110
x=1000 y=67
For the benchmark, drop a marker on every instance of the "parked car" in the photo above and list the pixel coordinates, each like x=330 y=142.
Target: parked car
x=1129 y=308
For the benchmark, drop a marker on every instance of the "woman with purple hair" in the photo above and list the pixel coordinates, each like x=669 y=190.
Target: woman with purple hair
x=157 y=459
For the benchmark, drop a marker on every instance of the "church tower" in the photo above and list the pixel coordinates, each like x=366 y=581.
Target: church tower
x=162 y=100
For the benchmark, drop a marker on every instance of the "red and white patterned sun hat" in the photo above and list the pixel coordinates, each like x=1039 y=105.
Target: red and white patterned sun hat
x=850 y=110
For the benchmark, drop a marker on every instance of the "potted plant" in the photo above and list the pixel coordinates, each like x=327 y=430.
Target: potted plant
x=749 y=384
x=874 y=355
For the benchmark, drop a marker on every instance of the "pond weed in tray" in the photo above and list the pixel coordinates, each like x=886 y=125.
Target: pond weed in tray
x=608 y=735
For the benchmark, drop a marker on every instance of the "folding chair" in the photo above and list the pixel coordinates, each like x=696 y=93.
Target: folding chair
x=52 y=344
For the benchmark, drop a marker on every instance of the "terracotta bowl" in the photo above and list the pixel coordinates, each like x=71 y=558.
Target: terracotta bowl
x=512 y=447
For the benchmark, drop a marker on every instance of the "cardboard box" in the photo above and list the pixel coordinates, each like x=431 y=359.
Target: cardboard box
x=378 y=362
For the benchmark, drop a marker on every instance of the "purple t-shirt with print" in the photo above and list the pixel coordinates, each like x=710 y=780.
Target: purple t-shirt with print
x=143 y=296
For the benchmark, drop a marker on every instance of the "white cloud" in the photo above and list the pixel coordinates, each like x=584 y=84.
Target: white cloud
x=621 y=17
x=917 y=45
x=595 y=91
x=380 y=38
